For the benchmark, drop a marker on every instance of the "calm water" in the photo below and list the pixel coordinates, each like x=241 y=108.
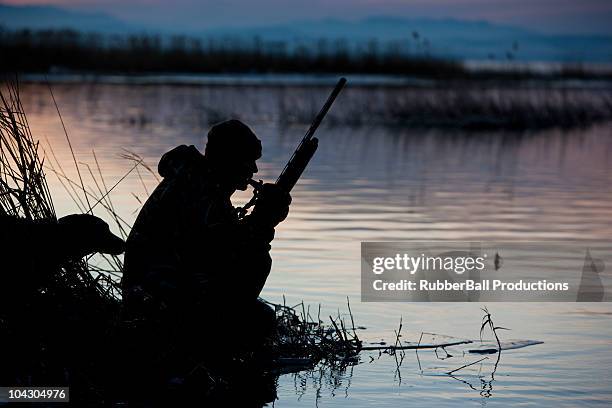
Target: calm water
x=378 y=183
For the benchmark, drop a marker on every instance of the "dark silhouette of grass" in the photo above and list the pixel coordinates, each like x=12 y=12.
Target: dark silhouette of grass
x=472 y=106
x=47 y=50
x=66 y=50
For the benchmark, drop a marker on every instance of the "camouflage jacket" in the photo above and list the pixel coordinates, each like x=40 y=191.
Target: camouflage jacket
x=187 y=249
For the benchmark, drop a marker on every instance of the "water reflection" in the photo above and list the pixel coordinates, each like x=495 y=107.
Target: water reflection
x=485 y=385
x=334 y=381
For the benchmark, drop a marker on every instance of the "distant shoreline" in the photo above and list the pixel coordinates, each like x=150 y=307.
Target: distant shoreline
x=92 y=56
x=306 y=80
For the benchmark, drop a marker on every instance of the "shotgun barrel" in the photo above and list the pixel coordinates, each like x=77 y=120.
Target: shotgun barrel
x=301 y=156
x=308 y=145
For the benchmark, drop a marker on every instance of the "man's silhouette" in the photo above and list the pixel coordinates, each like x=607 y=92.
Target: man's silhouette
x=194 y=270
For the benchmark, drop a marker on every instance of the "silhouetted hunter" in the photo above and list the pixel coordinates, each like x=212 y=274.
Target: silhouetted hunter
x=195 y=265
x=194 y=269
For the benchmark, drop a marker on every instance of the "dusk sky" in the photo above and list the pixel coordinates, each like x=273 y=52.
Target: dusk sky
x=553 y=16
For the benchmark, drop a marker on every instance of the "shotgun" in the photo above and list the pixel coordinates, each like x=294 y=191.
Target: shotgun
x=301 y=156
x=308 y=145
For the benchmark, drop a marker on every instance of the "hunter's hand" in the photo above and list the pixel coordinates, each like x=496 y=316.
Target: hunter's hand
x=272 y=205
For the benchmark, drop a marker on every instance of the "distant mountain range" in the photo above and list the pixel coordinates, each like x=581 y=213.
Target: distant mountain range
x=42 y=17
x=473 y=40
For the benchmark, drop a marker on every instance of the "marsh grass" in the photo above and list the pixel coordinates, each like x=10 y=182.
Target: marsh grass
x=23 y=187
x=24 y=193
x=70 y=308
x=487 y=321
x=49 y=50
x=304 y=339
x=469 y=106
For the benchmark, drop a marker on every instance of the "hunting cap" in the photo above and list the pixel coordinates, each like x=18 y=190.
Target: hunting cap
x=232 y=139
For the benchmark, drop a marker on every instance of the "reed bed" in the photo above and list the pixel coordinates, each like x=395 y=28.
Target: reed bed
x=69 y=50
x=24 y=193
x=23 y=187
x=63 y=315
x=306 y=340
x=459 y=105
